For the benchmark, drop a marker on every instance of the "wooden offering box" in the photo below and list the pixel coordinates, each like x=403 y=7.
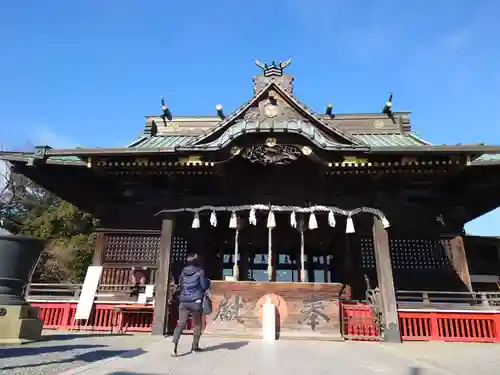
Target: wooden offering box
x=303 y=310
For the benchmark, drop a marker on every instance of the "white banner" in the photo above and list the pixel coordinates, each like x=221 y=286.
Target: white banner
x=88 y=293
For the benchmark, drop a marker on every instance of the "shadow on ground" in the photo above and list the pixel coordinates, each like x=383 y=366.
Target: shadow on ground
x=232 y=345
x=71 y=336
x=22 y=351
x=88 y=357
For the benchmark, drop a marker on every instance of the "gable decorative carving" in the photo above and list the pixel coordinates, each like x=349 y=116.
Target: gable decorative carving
x=266 y=155
x=277 y=110
x=253 y=113
x=289 y=113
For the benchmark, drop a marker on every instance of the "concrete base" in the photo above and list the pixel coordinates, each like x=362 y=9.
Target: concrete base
x=19 y=324
x=392 y=333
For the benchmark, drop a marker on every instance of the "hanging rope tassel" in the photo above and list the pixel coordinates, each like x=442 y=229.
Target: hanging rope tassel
x=233 y=221
x=213 y=219
x=349 y=228
x=331 y=219
x=196 y=221
x=293 y=220
x=385 y=222
x=252 y=218
x=313 y=223
x=271 y=222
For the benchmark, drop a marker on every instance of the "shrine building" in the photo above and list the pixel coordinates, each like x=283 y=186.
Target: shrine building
x=309 y=209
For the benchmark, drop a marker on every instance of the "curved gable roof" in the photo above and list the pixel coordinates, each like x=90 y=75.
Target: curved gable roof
x=218 y=130
x=304 y=128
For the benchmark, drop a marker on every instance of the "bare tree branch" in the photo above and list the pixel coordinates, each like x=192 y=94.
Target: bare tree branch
x=18 y=194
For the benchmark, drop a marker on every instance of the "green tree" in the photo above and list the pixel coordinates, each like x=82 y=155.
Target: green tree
x=26 y=208
x=70 y=239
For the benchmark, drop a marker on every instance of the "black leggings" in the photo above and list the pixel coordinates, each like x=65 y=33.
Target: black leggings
x=185 y=309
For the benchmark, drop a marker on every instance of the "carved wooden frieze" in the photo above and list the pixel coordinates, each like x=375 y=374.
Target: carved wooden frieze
x=277 y=155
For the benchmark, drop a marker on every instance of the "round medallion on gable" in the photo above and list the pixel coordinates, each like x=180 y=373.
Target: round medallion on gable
x=271 y=142
x=173 y=126
x=378 y=124
x=270 y=110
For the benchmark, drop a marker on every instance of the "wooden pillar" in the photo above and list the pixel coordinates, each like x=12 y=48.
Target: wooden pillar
x=244 y=263
x=386 y=282
x=310 y=268
x=275 y=262
x=345 y=258
x=355 y=266
x=162 y=282
x=99 y=249
x=455 y=250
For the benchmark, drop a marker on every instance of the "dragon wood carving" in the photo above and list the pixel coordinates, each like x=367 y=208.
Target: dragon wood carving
x=277 y=155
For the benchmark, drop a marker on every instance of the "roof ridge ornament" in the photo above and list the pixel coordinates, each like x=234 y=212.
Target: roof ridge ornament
x=273 y=69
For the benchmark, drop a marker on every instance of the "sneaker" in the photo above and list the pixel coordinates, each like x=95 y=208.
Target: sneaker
x=196 y=349
x=174 y=351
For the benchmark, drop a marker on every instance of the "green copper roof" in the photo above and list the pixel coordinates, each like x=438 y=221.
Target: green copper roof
x=388 y=140
x=65 y=158
x=251 y=126
x=162 y=141
x=487 y=159
x=373 y=140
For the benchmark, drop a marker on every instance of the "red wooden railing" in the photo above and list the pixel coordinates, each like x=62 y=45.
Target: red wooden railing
x=60 y=315
x=449 y=326
x=358 y=322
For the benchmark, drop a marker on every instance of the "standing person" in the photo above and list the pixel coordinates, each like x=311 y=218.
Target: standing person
x=193 y=285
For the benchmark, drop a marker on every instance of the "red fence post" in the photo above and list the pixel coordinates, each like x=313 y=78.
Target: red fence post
x=496 y=327
x=434 y=327
x=65 y=320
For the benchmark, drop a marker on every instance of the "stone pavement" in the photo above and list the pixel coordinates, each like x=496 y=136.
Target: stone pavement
x=457 y=358
x=301 y=357
x=256 y=357
x=59 y=351
x=146 y=355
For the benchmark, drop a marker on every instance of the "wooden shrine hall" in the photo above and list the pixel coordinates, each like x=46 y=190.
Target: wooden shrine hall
x=309 y=209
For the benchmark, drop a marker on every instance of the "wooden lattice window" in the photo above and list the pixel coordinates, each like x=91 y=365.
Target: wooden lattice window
x=367 y=253
x=408 y=254
x=179 y=249
x=136 y=249
x=179 y=252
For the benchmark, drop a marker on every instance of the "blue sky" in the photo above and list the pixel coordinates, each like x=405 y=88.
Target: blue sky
x=85 y=73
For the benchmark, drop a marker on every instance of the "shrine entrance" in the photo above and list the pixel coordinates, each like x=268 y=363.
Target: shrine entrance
x=323 y=251
x=301 y=269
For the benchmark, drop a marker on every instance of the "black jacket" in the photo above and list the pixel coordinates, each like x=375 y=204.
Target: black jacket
x=193 y=284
